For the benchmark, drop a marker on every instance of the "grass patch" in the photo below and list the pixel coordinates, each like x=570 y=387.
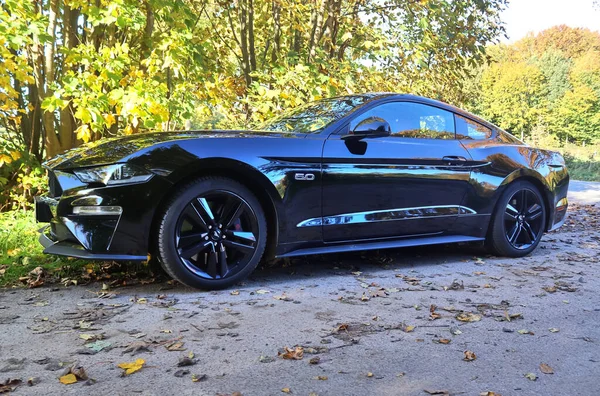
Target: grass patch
x=20 y=251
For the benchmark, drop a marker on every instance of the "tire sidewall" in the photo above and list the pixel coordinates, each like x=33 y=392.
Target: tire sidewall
x=166 y=237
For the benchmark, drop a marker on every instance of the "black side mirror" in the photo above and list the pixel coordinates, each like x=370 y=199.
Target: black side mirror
x=370 y=127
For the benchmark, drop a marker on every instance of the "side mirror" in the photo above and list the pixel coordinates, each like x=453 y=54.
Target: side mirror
x=370 y=127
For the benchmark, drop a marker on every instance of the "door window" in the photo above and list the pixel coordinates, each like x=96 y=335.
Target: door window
x=469 y=129
x=413 y=120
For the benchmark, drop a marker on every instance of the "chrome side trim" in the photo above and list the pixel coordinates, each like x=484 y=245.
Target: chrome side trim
x=388 y=215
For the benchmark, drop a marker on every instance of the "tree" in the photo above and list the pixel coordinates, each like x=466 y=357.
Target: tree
x=93 y=68
x=513 y=96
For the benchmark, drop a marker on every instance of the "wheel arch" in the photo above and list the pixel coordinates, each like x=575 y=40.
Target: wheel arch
x=536 y=180
x=242 y=173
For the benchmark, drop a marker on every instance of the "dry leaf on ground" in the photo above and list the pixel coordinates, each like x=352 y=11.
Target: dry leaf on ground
x=296 y=353
x=546 y=369
x=468 y=317
x=469 y=356
x=131 y=367
x=531 y=376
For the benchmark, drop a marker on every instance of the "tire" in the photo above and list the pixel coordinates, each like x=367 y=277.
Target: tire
x=518 y=222
x=212 y=233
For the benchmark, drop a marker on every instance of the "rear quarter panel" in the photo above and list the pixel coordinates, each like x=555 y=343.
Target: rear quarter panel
x=506 y=163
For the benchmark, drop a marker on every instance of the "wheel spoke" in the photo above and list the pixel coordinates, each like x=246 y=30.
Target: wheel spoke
x=223 y=268
x=523 y=203
x=192 y=213
x=531 y=235
x=247 y=236
x=509 y=216
x=512 y=209
x=188 y=239
x=514 y=233
x=205 y=211
x=533 y=212
x=232 y=210
x=211 y=265
x=191 y=251
x=239 y=247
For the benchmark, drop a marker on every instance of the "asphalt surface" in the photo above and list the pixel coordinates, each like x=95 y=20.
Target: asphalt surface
x=376 y=323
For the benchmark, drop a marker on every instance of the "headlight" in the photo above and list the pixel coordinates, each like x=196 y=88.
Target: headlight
x=113 y=174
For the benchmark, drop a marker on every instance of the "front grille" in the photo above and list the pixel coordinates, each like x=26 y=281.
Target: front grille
x=54 y=185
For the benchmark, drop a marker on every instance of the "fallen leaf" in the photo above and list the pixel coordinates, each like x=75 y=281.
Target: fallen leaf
x=322 y=378
x=99 y=345
x=314 y=360
x=455 y=330
x=489 y=393
x=199 y=377
x=364 y=297
x=531 y=376
x=468 y=317
x=443 y=392
x=546 y=369
x=432 y=314
x=283 y=297
x=132 y=367
x=186 y=361
x=296 y=353
x=469 y=356
x=407 y=328
x=235 y=293
x=68 y=379
x=442 y=340
x=369 y=374
x=286 y=390
x=525 y=331
x=10 y=385
x=553 y=330
x=176 y=346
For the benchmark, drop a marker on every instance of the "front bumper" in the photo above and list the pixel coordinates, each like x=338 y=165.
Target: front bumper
x=72 y=249
x=98 y=223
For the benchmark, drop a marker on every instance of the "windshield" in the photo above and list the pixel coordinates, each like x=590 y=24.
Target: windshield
x=315 y=116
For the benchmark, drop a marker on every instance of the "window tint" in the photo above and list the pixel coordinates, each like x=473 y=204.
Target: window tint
x=413 y=120
x=468 y=129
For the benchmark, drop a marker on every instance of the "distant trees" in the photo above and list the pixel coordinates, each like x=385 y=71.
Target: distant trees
x=549 y=82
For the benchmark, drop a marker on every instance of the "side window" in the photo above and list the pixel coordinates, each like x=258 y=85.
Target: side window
x=468 y=129
x=413 y=120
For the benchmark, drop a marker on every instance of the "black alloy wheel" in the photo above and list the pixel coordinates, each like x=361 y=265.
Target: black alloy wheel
x=519 y=221
x=523 y=219
x=216 y=234
x=213 y=233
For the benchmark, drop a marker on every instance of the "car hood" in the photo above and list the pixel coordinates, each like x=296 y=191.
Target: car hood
x=112 y=150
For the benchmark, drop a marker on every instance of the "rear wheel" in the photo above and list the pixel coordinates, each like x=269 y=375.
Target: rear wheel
x=212 y=234
x=519 y=221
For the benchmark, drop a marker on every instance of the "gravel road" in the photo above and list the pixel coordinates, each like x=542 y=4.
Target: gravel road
x=398 y=322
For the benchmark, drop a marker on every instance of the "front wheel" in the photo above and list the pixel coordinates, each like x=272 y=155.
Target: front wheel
x=518 y=222
x=212 y=234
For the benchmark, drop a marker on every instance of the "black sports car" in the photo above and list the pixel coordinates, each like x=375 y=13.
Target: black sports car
x=357 y=172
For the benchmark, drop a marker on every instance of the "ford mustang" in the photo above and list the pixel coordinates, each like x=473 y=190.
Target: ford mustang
x=357 y=172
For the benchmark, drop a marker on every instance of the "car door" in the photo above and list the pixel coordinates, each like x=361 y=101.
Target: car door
x=409 y=183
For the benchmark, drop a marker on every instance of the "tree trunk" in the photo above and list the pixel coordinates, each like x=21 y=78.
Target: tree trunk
x=276 y=31
x=316 y=30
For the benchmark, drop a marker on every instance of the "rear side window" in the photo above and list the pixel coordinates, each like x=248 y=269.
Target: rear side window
x=469 y=129
x=413 y=120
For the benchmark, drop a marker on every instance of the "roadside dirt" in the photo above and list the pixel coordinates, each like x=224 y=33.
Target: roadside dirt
x=435 y=320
